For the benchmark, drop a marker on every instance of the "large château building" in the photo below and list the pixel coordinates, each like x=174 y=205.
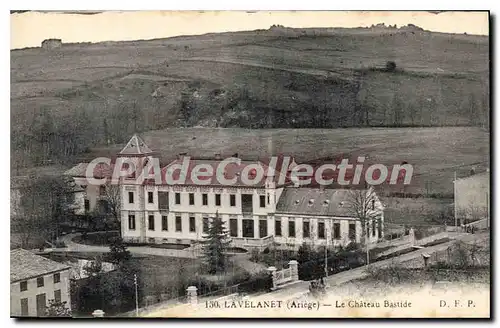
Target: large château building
x=271 y=211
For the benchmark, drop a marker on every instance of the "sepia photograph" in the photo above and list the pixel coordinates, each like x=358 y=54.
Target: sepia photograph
x=250 y=164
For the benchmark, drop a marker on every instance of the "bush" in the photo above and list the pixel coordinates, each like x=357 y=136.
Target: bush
x=273 y=257
x=339 y=261
x=59 y=244
x=390 y=66
x=391 y=274
x=262 y=281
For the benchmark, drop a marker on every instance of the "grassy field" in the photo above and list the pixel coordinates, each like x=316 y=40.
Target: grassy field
x=276 y=78
x=435 y=153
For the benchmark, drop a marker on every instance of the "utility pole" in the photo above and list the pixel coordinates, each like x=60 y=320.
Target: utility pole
x=136 y=297
x=367 y=243
x=326 y=252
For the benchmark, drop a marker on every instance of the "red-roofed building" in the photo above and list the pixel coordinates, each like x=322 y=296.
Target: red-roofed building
x=175 y=203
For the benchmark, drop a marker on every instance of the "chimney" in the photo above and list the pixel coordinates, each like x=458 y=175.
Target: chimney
x=218 y=156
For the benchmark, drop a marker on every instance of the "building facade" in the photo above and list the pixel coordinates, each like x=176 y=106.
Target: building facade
x=34 y=280
x=270 y=211
x=472 y=195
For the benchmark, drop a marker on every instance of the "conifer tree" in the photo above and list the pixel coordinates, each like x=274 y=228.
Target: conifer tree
x=215 y=244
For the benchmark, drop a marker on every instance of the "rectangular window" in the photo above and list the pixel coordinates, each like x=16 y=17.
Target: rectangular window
x=57 y=295
x=352 y=231
x=163 y=200
x=191 y=199
x=178 y=224
x=177 y=198
x=24 y=306
x=233 y=227
x=205 y=225
x=336 y=231
x=268 y=199
x=277 y=228
x=130 y=197
x=367 y=227
x=291 y=229
x=192 y=224
x=41 y=305
x=262 y=201
x=204 y=199
x=232 y=200
x=262 y=228
x=24 y=285
x=57 y=278
x=374 y=228
x=248 y=228
x=306 y=229
x=39 y=282
x=321 y=230
x=217 y=199
x=131 y=222
x=150 y=197
x=379 y=228
x=87 y=205
x=164 y=223
x=151 y=222
x=247 y=203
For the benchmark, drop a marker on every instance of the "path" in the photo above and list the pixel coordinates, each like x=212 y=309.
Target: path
x=241 y=260
x=420 y=242
x=358 y=273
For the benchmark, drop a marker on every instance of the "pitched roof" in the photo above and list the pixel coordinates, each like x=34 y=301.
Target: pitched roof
x=232 y=170
x=101 y=170
x=308 y=201
x=25 y=265
x=136 y=146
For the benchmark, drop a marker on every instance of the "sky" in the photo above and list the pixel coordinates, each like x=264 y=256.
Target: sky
x=29 y=29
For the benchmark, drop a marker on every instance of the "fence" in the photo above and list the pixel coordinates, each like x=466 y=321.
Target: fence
x=284 y=276
x=480 y=224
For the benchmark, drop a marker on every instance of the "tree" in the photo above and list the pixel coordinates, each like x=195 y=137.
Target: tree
x=43 y=206
x=113 y=199
x=398 y=108
x=390 y=66
x=214 y=246
x=118 y=252
x=304 y=253
x=57 y=309
x=93 y=268
x=362 y=205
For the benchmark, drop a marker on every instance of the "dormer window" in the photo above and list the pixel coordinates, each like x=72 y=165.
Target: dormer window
x=341 y=204
x=297 y=202
x=311 y=201
x=326 y=202
x=373 y=204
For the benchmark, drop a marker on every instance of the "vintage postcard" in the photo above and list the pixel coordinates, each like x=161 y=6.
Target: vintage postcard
x=220 y=164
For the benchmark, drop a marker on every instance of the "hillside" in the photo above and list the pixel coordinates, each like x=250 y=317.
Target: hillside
x=276 y=78
x=436 y=153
